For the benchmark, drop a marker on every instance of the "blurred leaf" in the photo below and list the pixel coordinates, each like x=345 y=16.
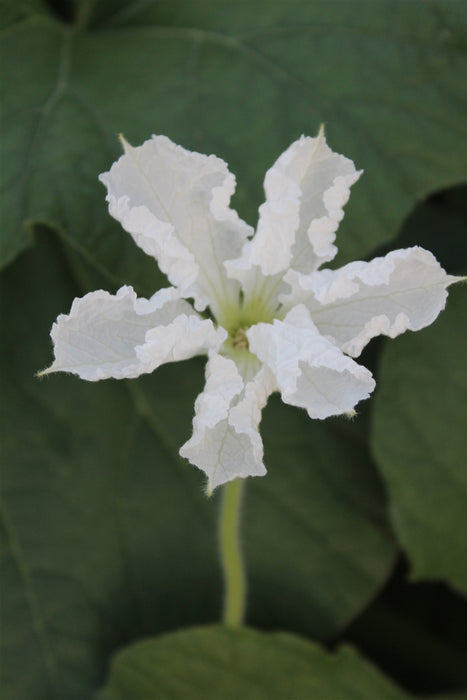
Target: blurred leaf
x=107 y=11
x=419 y=442
x=438 y=224
x=217 y=662
x=241 y=80
x=415 y=633
x=317 y=520
x=10 y=13
x=107 y=536
x=106 y=533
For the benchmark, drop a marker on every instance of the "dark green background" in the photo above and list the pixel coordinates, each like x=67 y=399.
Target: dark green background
x=357 y=533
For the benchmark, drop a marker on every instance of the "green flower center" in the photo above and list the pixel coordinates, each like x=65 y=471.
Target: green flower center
x=237 y=319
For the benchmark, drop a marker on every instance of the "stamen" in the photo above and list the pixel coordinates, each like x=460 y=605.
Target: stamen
x=240 y=341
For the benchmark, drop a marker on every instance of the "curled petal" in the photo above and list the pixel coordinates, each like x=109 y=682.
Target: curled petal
x=404 y=290
x=121 y=336
x=309 y=370
x=306 y=190
x=226 y=443
x=175 y=204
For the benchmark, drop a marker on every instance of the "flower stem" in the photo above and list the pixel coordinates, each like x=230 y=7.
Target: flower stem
x=231 y=554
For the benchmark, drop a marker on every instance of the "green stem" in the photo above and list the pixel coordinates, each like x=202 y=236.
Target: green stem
x=231 y=554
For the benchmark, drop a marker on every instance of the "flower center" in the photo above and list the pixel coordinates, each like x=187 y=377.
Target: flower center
x=240 y=340
x=237 y=348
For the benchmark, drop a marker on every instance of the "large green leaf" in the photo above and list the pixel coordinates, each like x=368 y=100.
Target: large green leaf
x=420 y=444
x=241 y=80
x=106 y=533
x=217 y=663
x=107 y=536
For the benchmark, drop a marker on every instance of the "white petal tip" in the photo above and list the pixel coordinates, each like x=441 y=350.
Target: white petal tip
x=127 y=147
x=452 y=279
x=53 y=369
x=43 y=372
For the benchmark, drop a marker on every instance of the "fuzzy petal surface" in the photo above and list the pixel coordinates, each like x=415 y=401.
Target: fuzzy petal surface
x=121 y=336
x=310 y=371
x=404 y=290
x=226 y=443
x=175 y=204
x=306 y=190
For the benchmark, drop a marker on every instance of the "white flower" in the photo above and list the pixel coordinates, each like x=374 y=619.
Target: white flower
x=265 y=316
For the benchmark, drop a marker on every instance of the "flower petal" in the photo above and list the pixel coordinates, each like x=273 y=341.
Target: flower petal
x=310 y=371
x=306 y=189
x=175 y=204
x=122 y=336
x=226 y=443
x=404 y=290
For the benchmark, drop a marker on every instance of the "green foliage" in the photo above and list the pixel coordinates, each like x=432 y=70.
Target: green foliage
x=241 y=80
x=107 y=536
x=423 y=403
x=217 y=662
